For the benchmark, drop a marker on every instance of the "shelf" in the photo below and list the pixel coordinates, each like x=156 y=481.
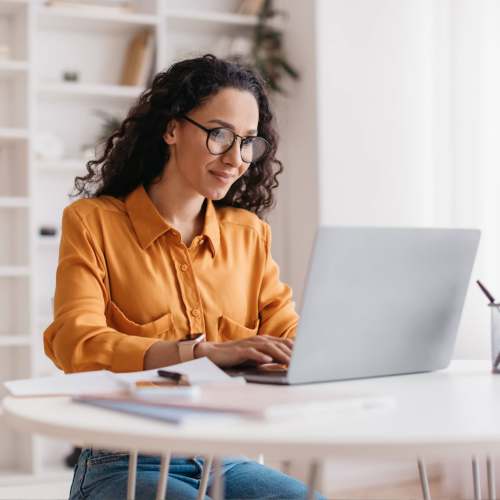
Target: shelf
x=44 y=320
x=92 y=19
x=9 y=7
x=69 y=165
x=13 y=67
x=14 y=202
x=13 y=134
x=211 y=17
x=15 y=477
x=48 y=241
x=14 y=340
x=89 y=90
x=12 y=476
x=14 y=271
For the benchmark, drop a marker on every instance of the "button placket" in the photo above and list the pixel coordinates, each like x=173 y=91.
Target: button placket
x=189 y=291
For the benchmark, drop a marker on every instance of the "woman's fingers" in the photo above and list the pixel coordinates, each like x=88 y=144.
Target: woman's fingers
x=252 y=354
x=279 y=345
x=259 y=349
x=279 y=340
x=273 y=350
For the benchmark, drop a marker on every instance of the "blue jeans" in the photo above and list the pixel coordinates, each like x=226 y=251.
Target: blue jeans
x=102 y=475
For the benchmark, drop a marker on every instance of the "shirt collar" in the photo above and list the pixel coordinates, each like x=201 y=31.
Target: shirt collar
x=149 y=225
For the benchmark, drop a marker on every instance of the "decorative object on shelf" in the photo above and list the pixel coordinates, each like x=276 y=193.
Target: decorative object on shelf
x=250 y=7
x=47 y=231
x=97 y=6
x=48 y=146
x=241 y=47
x=71 y=76
x=222 y=46
x=267 y=54
x=4 y=52
x=138 y=64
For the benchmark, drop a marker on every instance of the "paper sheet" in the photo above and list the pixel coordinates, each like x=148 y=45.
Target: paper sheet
x=199 y=371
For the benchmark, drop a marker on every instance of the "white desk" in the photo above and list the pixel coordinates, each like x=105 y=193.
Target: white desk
x=453 y=411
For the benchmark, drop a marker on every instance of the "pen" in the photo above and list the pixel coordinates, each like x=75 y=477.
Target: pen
x=486 y=292
x=176 y=377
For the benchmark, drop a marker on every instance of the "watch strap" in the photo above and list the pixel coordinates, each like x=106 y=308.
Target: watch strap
x=186 y=348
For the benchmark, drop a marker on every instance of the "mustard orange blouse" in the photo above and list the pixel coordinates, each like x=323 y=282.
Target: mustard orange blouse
x=125 y=280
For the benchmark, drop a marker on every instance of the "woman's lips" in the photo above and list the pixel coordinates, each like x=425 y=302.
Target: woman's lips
x=222 y=176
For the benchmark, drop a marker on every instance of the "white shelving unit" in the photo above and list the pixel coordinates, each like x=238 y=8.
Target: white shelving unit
x=45 y=42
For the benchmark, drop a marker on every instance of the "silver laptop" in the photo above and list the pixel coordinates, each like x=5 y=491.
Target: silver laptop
x=378 y=301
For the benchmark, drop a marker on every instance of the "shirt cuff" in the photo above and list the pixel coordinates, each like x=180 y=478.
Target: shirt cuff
x=129 y=353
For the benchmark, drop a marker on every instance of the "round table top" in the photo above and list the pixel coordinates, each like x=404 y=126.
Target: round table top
x=457 y=409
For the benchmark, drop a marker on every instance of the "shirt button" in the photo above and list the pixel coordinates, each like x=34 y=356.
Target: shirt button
x=184 y=267
x=195 y=312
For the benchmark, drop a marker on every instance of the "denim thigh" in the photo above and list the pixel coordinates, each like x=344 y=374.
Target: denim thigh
x=251 y=480
x=103 y=475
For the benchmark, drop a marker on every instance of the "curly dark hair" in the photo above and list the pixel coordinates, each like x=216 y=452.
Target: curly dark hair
x=136 y=153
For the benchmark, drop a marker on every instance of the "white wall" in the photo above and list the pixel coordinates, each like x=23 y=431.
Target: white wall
x=299 y=141
x=394 y=123
x=374 y=113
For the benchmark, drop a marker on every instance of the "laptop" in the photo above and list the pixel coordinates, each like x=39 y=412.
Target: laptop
x=378 y=301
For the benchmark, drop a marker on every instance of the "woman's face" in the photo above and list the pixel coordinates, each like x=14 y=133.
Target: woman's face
x=212 y=175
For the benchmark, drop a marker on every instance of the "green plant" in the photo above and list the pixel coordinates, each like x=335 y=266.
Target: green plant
x=109 y=124
x=267 y=55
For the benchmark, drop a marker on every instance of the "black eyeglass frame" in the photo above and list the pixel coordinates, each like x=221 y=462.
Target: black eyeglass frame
x=235 y=135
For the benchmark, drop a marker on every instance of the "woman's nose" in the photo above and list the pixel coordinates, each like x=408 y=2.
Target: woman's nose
x=233 y=154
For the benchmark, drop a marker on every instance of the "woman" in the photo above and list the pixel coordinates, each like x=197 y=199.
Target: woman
x=166 y=259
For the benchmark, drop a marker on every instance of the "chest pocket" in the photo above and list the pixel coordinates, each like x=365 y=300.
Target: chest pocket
x=159 y=328
x=231 y=330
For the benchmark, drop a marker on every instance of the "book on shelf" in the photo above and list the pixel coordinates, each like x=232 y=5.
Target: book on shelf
x=250 y=7
x=97 y=6
x=139 y=59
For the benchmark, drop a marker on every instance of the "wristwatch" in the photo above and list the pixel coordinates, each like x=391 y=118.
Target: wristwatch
x=186 y=346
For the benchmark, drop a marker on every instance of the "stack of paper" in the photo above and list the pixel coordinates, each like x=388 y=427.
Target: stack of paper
x=199 y=371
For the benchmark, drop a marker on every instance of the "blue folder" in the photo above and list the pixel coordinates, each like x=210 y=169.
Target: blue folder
x=172 y=415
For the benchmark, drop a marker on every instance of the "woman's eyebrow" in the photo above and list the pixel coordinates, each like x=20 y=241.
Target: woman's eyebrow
x=228 y=125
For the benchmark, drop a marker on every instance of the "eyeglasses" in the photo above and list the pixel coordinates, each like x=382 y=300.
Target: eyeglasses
x=220 y=140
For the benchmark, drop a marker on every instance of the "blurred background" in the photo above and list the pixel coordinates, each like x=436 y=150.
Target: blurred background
x=389 y=115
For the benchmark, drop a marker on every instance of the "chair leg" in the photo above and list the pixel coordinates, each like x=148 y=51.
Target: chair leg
x=162 y=481
x=132 y=473
x=475 y=479
x=202 y=491
x=312 y=483
x=424 y=482
x=490 y=471
x=217 y=491
x=286 y=466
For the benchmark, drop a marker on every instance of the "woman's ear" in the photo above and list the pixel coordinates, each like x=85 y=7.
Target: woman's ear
x=170 y=132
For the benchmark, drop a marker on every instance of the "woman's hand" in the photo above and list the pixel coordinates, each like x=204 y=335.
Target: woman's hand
x=258 y=349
